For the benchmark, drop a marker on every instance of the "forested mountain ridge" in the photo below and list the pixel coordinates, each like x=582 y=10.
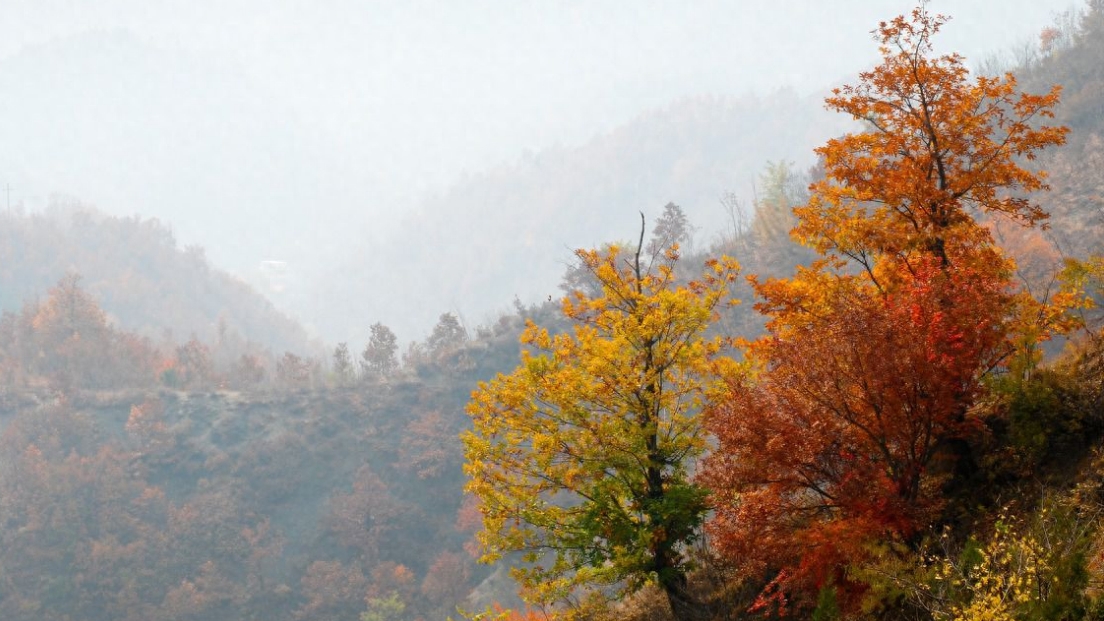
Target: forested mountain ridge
x=143 y=484
x=139 y=276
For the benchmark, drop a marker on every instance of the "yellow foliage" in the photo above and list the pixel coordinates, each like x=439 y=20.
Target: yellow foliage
x=996 y=581
x=582 y=456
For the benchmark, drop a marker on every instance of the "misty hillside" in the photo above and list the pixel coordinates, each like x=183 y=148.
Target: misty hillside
x=249 y=495
x=1076 y=200
x=140 y=276
x=510 y=232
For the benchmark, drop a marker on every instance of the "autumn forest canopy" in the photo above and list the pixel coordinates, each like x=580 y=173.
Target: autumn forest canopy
x=880 y=395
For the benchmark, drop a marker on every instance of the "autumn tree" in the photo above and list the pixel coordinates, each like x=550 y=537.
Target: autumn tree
x=293 y=372
x=147 y=429
x=428 y=448
x=671 y=228
x=66 y=341
x=447 y=335
x=446 y=580
x=939 y=148
x=71 y=335
x=248 y=371
x=343 y=368
x=875 y=354
x=837 y=437
x=579 y=278
x=333 y=591
x=581 y=457
x=379 y=358
x=778 y=190
x=193 y=363
x=365 y=518
x=84 y=533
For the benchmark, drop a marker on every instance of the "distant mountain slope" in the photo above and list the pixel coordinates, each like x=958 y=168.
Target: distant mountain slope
x=511 y=231
x=136 y=272
x=1076 y=62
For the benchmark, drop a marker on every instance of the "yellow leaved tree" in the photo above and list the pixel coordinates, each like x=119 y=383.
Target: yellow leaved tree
x=581 y=458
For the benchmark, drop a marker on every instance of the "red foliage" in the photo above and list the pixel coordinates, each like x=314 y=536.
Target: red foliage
x=837 y=440
x=867 y=375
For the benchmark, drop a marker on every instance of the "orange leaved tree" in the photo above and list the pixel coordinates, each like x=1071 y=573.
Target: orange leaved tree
x=940 y=147
x=875 y=354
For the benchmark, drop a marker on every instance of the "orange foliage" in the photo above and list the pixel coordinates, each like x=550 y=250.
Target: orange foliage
x=939 y=145
x=76 y=515
x=866 y=376
x=146 y=426
x=71 y=336
x=391 y=577
x=201 y=596
x=66 y=343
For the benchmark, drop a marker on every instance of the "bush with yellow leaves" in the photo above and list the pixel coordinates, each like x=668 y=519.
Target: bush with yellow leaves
x=995 y=581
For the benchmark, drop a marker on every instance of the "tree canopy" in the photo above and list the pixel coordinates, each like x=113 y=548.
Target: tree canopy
x=581 y=457
x=876 y=353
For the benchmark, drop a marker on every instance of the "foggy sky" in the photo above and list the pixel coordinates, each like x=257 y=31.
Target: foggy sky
x=512 y=75
x=333 y=118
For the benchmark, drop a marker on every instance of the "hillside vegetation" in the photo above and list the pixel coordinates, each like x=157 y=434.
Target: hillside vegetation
x=139 y=276
x=874 y=432
x=141 y=481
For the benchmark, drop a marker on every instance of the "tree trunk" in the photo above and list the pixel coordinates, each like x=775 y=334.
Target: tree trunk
x=684 y=607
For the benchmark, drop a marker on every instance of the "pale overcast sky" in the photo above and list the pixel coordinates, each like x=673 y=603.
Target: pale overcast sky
x=469 y=83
